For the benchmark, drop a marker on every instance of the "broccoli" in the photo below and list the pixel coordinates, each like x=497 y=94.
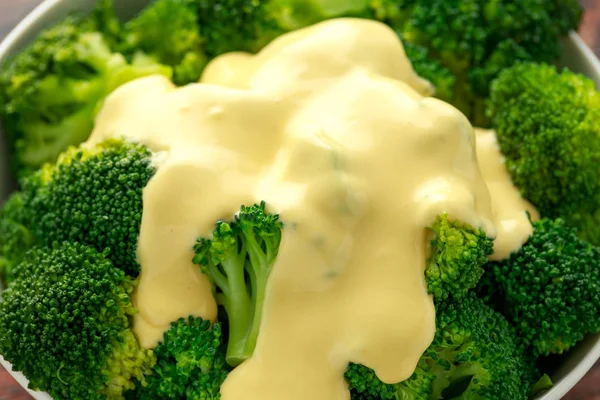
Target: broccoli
x=457 y=254
x=550 y=289
x=546 y=123
x=65 y=324
x=169 y=31
x=474 y=355
x=239 y=259
x=190 y=363
x=15 y=238
x=50 y=93
x=427 y=67
x=91 y=196
x=477 y=39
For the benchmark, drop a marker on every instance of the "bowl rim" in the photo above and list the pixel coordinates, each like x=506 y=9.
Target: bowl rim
x=30 y=25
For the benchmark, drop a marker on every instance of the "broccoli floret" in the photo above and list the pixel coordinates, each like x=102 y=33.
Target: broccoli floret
x=50 y=93
x=547 y=127
x=92 y=196
x=239 y=259
x=169 y=31
x=364 y=384
x=15 y=238
x=429 y=68
x=474 y=355
x=237 y=25
x=477 y=39
x=64 y=322
x=550 y=288
x=190 y=363
x=458 y=253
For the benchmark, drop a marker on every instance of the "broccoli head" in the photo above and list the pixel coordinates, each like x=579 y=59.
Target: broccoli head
x=550 y=288
x=168 y=31
x=190 y=363
x=546 y=123
x=64 y=320
x=477 y=39
x=458 y=252
x=474 y=355
x=239 y=259
x=15 y=238
x=50 y=92
x=91 y=196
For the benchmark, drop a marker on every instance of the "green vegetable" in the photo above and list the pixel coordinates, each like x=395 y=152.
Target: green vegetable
x=169 y=31
x=477 y=39
x=91 y=196
x=239 y=259
x=51 y=92
x=474 y=355
x=457 y=254
x=65 y=324
x=547 y=127
x=550 y=289
x=190 y=363
x=15 y=238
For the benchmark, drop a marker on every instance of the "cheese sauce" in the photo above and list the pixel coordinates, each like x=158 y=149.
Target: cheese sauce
x=331 y=127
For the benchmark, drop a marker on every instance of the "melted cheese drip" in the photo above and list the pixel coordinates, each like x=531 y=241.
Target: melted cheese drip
x=329 y=126
x=510 y=209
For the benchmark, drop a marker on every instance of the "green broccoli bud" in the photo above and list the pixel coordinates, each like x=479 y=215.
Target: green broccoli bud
x=74 y=340
x=458 y=253
x=546 y=123
x=51 y=92
x=92 y=196
x=476 y=40
x=239 y=259
x=15 y=238
x=475 y=354
x=550 y=288
x=190 y=363
x=169 y=31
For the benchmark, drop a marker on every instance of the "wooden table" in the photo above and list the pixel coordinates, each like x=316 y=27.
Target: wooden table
x=12 y=11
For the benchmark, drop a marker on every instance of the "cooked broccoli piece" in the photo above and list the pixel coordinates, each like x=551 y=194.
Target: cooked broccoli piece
x=190 y=363
x=458 y=252
x=169 y=31
x=550 y=289
x=477 y=39
x=65 y=324
x=15 y=238
x=474 y=355
x=239 y=259
x=547 y=127
x=364 y=384
x=50 y=93
x=429 y=68
x=237 y=25
x=91 y=196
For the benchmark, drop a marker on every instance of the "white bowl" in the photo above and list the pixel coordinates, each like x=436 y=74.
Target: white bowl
x=577 y=56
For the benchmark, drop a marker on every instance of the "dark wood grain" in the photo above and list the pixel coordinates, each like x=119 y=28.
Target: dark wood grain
x=12 y=11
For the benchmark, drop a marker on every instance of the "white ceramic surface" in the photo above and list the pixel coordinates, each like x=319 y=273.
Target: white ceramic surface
x=577 y=56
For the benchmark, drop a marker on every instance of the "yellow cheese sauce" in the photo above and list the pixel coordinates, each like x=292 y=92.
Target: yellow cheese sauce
x=331 y=127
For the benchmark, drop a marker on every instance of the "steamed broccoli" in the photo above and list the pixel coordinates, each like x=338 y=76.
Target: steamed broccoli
x=91 y=196
x=239 y=259
x=427 y=67
x=550 y=288
x=190 y=363
x=547 y=127
x=457 y=254
x=65 y=323
x=169 y=31
x=50 y=93
x=474 y=355
x=15 y=238
x=477 y=39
